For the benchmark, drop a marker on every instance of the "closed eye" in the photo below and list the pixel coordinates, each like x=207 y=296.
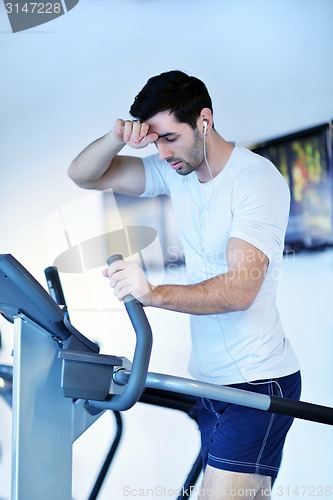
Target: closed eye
x=168 y=137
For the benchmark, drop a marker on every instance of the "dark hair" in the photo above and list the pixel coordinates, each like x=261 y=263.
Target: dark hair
x=183 y=95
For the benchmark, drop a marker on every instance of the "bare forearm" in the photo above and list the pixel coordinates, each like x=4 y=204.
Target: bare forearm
x=234 y=290
x=99 y=166
x=215 y=296
x=94 y=161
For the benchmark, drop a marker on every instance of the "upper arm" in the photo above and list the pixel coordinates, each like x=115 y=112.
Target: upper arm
x=247 y=267
x=126 y=175
x=260 y=209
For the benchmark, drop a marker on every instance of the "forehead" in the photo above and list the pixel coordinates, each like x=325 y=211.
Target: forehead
x=165 y=122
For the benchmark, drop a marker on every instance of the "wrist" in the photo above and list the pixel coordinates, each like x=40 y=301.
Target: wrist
x=153 y=298
x=114 y=141
x=161 y=296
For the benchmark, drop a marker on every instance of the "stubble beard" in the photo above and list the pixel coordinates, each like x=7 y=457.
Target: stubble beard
x=193 y=157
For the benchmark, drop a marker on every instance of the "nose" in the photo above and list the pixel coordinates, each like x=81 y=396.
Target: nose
x=163 y=151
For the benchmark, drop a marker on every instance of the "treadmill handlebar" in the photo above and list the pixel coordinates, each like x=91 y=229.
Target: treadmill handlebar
x=141 y=358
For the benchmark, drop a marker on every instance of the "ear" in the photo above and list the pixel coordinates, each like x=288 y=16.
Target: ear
x=207 y=117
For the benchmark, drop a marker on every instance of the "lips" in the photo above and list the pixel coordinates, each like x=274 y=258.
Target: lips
x=176 y=164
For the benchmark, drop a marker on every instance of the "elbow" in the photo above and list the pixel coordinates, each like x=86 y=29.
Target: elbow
x=244 y=305
x=243 y=293
x=244 y=301
x=73 y=174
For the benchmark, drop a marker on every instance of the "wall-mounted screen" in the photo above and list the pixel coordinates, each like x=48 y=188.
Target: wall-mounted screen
x=305 y=160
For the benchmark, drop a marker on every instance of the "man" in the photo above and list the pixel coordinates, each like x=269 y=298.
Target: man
x=232 y=209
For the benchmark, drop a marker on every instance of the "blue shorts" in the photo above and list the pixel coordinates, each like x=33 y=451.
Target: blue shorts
x=239 y=439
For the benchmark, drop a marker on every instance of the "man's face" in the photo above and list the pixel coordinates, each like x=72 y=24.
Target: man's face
x=178 y=144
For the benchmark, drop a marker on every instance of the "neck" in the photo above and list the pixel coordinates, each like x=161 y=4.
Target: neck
x=218 y=152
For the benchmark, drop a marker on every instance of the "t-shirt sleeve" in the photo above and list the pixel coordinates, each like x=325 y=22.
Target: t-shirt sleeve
x=156 y=177
x=261 y=210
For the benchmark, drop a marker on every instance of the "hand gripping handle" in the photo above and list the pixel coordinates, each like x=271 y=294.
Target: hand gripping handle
x=141 y=358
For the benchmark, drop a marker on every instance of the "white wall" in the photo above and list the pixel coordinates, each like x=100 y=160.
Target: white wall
x=268 y=66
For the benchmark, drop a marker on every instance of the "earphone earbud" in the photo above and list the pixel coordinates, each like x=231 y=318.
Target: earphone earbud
x=205 y=126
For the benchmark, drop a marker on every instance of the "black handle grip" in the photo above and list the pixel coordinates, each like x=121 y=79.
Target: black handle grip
x=55 y=287
x=113 y=258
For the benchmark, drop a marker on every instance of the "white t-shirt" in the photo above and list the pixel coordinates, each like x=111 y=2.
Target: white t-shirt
x=249 y=199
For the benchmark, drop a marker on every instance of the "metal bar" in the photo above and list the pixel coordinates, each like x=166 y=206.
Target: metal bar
x=273 y=404
x=200 y=389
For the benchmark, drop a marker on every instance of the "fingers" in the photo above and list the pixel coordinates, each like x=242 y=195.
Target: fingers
x=134 y=133
x=127 y=278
